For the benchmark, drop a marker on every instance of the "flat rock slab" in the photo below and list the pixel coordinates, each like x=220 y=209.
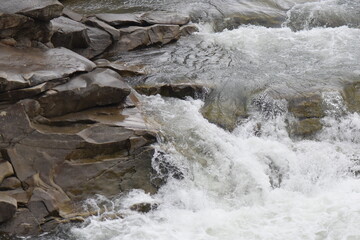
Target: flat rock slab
x=122 y=68
x=8 y=206
x=21 y=68
x=97 y=88
x=44 y=10
x=120 y=20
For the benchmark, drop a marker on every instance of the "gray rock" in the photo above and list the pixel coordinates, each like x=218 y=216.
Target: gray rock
x=72 y=15
x=69 y=33
x=44 y=10
x=100 y=40
x=20 y=195
x=22 y=224
x=42 y=204
x=120 y=20
x=122 y=68
x=8 y=206
x=22 y=68
x=164 y=18
x=6 y=170
x=98 y=88
x=188 y=30
x=173 y=90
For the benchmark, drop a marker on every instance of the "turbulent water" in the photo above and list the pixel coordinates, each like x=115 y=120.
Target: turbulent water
x=247 y=184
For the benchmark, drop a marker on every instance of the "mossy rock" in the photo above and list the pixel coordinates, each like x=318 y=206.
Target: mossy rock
x=306 y=127
x=306 y=106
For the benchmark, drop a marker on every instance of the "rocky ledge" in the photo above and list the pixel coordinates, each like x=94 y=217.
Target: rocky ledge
x=71 y=128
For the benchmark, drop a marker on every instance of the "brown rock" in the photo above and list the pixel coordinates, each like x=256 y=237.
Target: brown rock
x=306 y=106
x=8 y=206
x=12 y=21
x=10 y=183
x=6 y=170
x=20 y=195
x=144 y=207
x=188 y=30
x=351 y=94
x=122 y=68
x=98 y=88
x=306 y=127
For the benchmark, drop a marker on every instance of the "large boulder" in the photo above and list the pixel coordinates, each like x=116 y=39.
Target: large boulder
x=43 y=10
x=8 y=206
x=97 y=88
x=23 y=68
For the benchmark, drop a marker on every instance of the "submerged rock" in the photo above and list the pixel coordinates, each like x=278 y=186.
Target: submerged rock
x=351 y=95
x=306 y=106
x=306 y=127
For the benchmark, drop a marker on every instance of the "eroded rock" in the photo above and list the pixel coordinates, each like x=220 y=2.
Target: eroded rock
x=6 y=170
x=10 y=183
x=173 y=90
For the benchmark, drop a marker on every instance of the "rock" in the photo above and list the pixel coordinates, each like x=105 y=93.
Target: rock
x=12 y=21
x=8 y=41
x=136 y=37
x=306 y=127
x=306 y=106
x=10 y=183
x=100 y=40
x=69 y=33
x=97 y=88
x=144 y=207
x=42 y=204
x=72 y=15
x=351 y=95
x=20 y=195
x=164 y=18
x=92 y=21
x=23 y=93
x=120 y=20
x=122 y=67
x=22 y=68
x=188 y=30
x=22 y=224
x=43 y=10
x=6 y=170
x=173 y=90
x=225 y=108
x=8 y=206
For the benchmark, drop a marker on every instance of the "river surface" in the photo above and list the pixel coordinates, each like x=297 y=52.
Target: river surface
x=241 y=185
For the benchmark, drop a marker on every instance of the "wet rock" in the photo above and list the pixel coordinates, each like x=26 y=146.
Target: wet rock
x=225 y=108
x=306 y=106
x=43 y=10
x=144 y=207
x=10 y=183
x=69 y=33
x=173 y=90
x=122 y=68
x=22 y=224
x=351 y=95
x=306 y=127
x=92 y=21
x=120 y=20
x=8 y=206
x=100 y=40
x=188 y=30
x=136 y=37
x=164 y=18
x=6 y=170
x=22 y=68
x=97 y=88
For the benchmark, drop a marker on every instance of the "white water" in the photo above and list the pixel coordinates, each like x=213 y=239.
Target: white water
x=247 y=185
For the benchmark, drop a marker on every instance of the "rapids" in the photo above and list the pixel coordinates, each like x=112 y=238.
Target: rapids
x=245 y=185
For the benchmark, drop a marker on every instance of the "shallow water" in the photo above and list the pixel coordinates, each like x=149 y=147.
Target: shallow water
x=250 y=183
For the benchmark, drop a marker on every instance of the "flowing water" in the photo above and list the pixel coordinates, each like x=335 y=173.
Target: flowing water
x=247 y=184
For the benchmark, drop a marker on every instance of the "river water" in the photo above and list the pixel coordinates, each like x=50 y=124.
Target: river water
x=242 y=185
